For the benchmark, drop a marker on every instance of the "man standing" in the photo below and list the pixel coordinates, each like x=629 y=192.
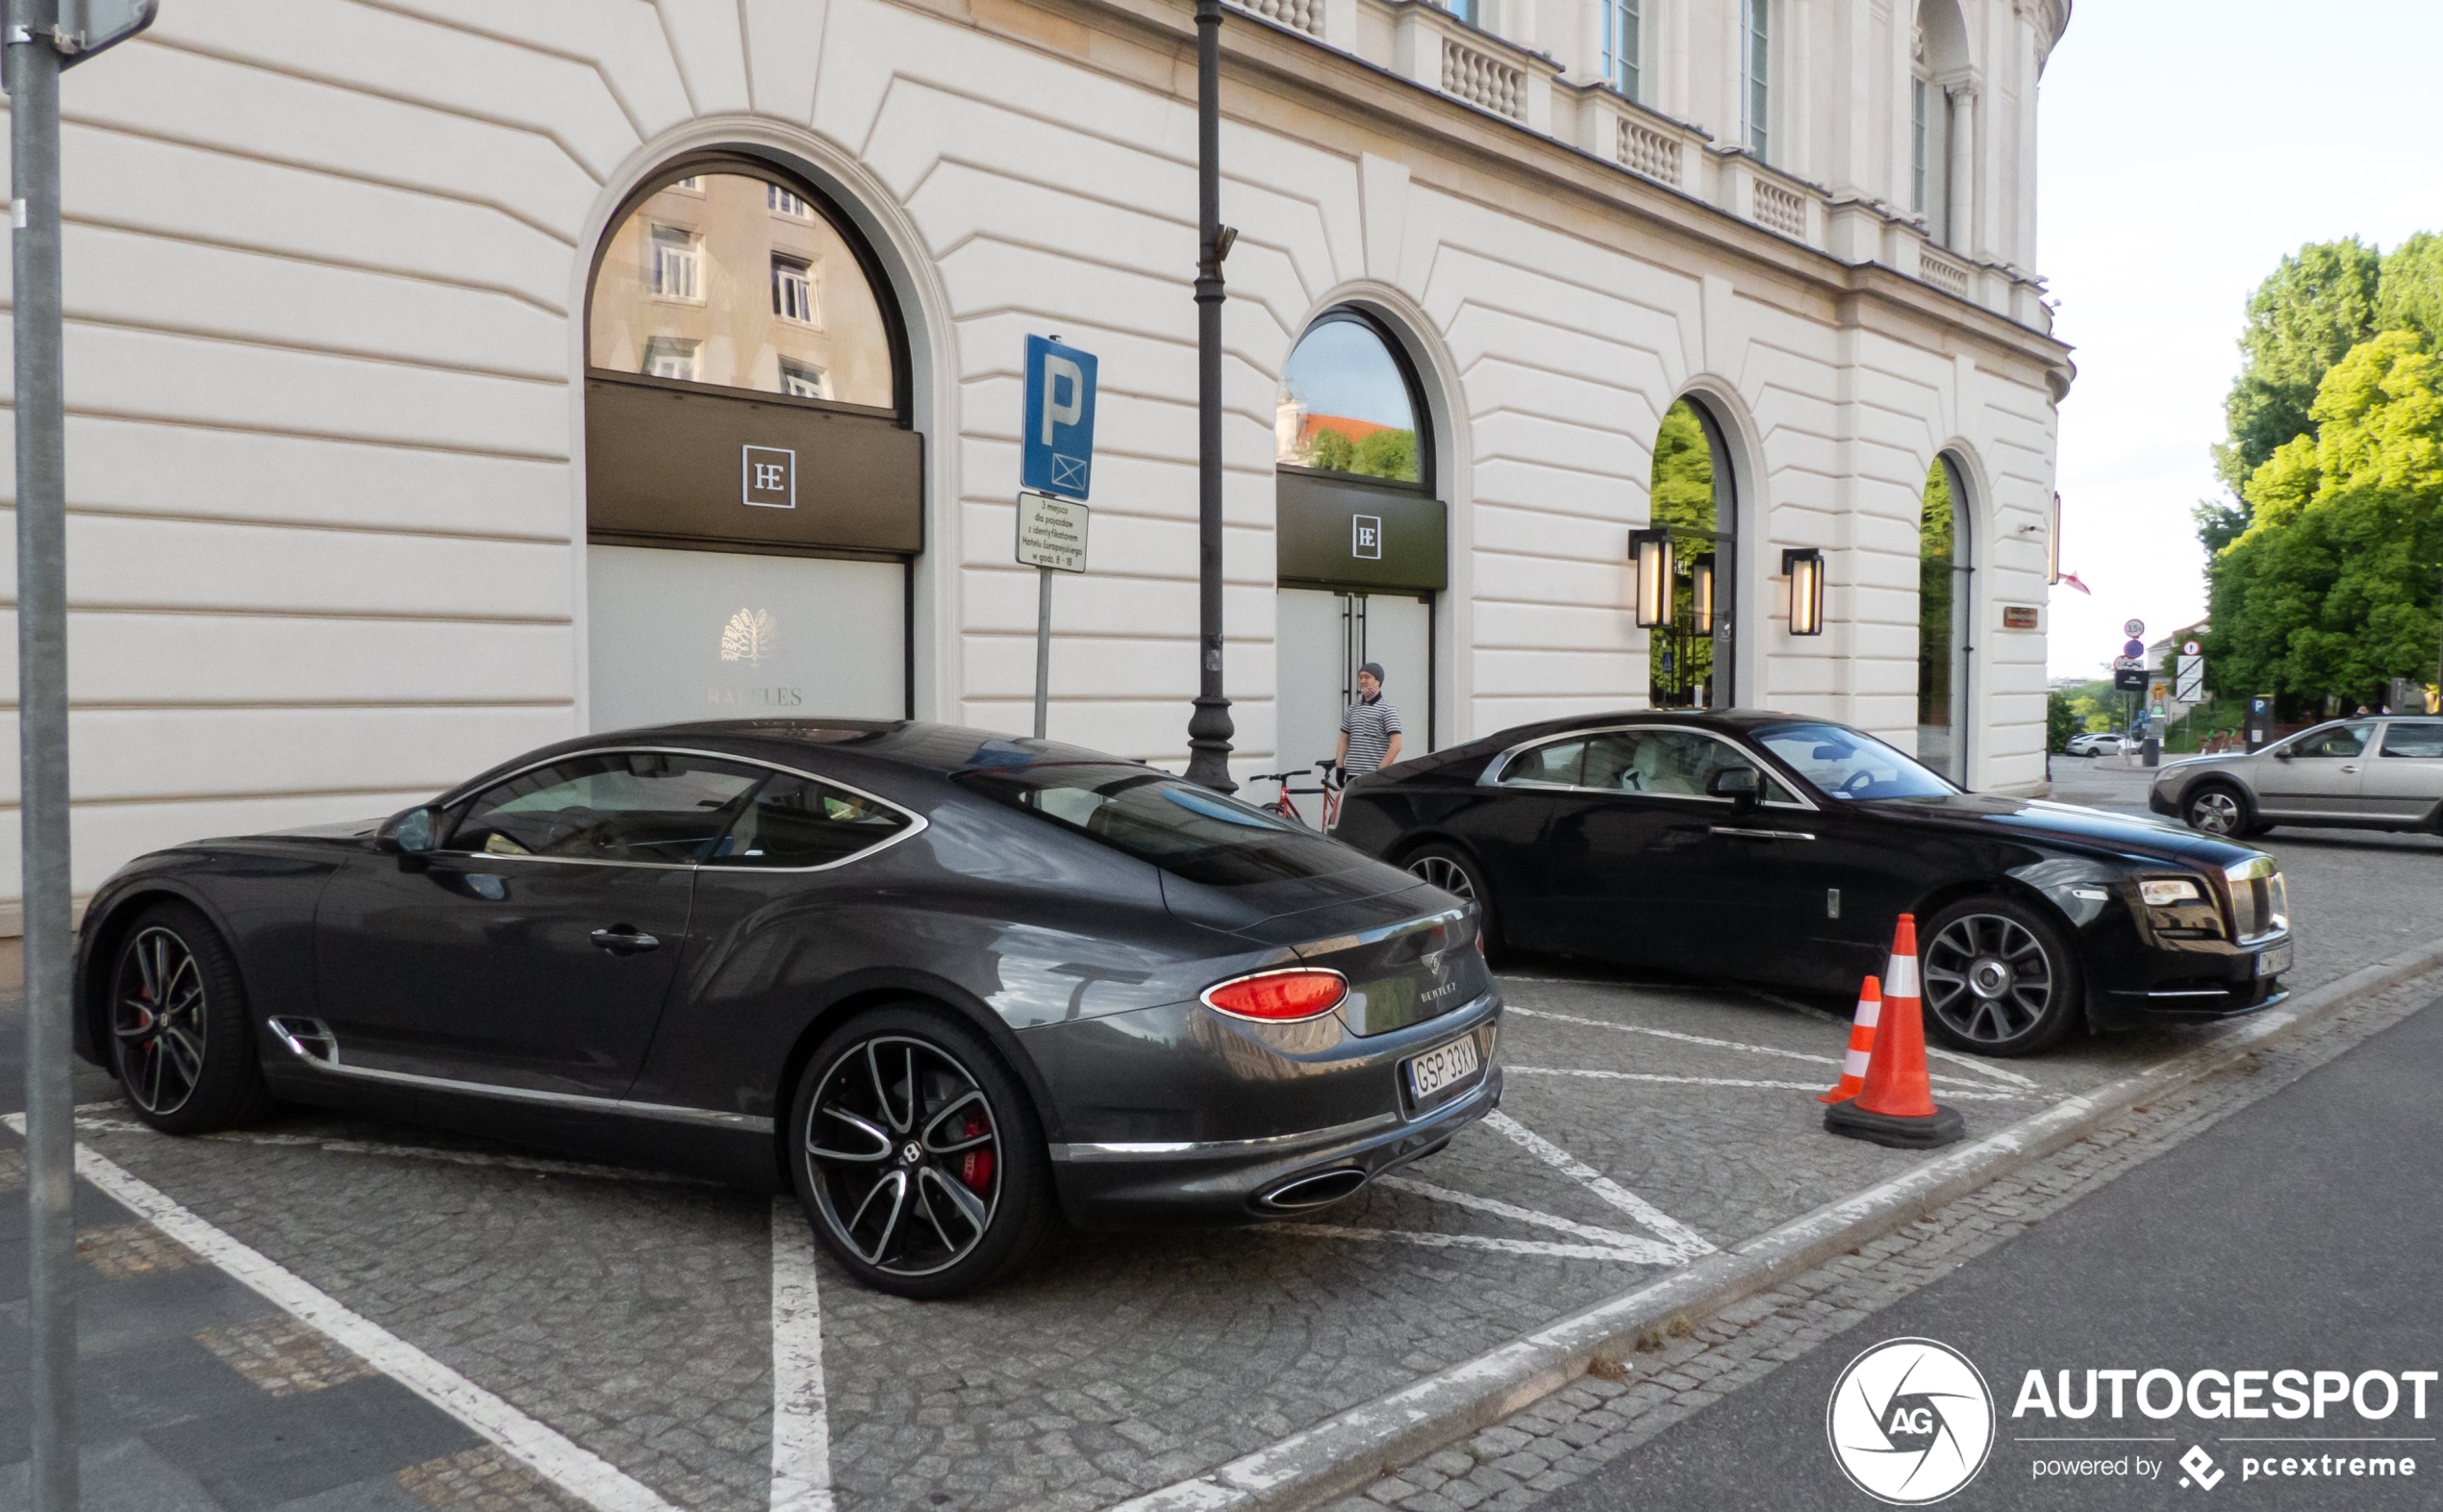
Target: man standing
x=1368 y=728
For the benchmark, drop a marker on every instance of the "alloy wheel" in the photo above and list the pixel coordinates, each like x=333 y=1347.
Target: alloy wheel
x=1988 y=978
x=2215 y=811
x=1446 y=874
x=157 y=1021
x=904 y=1154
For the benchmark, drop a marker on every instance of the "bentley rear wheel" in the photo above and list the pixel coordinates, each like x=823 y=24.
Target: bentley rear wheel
x=182 y=1044
x=917 y=1156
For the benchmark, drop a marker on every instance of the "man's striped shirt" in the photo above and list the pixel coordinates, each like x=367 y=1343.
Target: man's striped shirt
x=1369 y=724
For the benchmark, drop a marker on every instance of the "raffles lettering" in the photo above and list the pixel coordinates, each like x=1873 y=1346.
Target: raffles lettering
x=2292 y=1394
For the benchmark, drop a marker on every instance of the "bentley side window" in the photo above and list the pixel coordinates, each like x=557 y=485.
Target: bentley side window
x=792 y=821
x=646 y=806
x=2417 y=739
x=1553 y=766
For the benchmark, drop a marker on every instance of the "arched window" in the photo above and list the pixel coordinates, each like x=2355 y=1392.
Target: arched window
x=1348 y=404
x=754 y=485
x=736 y=277
x=1938 y=101
x=1943 y=620
x=1362 y=544
x=1692 y=496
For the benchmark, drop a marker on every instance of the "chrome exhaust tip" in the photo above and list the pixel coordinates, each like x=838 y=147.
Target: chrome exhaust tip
x=1321 y=1189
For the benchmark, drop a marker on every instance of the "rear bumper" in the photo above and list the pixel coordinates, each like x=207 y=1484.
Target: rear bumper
x=1178 y=1115
x=1128 y=1185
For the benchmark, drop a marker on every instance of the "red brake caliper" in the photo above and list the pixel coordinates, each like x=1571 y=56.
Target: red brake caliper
x=975 y=1167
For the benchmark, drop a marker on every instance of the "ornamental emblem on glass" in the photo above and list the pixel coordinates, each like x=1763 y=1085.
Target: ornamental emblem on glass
x=1910 y=1421
x=748 y=637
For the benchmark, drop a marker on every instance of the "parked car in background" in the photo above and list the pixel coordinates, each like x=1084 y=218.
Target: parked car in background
x=2098 y=743
x=2381 y=771
x=1780 y=849
x=951 y=986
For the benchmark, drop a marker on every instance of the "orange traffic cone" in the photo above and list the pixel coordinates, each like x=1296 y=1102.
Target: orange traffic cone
x=1897 y=1107
x=1870 y=1006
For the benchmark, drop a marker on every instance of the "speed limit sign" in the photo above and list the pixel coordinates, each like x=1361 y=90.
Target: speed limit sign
x=2134 y=627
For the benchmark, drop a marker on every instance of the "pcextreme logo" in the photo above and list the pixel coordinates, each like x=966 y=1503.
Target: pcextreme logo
x=1910 y=1421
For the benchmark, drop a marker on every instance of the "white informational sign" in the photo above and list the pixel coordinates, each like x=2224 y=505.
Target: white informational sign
x=1051 y=533
x=2188 y=679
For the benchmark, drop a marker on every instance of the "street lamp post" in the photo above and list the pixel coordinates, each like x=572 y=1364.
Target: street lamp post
x=1209 y=729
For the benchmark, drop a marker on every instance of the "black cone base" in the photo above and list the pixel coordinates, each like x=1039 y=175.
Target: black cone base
x=1944 y=1128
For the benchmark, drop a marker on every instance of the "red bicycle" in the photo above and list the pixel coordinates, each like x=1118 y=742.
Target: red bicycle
x=1285 y=800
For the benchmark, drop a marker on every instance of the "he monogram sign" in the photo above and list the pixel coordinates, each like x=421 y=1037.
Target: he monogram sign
x=767 y=477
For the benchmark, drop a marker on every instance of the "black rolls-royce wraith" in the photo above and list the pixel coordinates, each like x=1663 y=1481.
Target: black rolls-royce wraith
x=1779 y=849
x=947 y=984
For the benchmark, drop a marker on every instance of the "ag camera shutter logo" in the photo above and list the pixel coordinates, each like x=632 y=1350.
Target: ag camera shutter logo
x=1910 y=1421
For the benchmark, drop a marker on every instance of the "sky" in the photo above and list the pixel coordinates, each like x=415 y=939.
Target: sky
x=2185 y=147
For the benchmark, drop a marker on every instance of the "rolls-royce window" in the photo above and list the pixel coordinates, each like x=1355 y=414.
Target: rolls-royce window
x=1849 y=764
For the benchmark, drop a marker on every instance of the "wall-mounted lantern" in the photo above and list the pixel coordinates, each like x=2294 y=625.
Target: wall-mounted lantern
x=1649 y=558
x=1701 y=591
x=1803 y=567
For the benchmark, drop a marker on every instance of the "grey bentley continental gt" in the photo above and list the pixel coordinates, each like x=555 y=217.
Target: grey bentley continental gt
x=949 y=986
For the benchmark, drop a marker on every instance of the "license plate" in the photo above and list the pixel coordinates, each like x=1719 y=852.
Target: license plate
x=1443 y=1067
x=2273 y=962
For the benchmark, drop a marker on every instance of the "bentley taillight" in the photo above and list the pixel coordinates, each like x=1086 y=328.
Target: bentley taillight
x=1279 y=996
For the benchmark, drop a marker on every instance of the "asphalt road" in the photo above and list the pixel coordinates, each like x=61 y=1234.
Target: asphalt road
x=2303 y=1234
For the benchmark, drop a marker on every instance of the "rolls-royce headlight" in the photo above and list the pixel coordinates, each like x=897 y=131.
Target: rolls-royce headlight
x=2164 y=892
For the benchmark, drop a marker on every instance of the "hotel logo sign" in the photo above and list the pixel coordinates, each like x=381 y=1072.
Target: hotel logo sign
x=767 y=477
x=748 y=637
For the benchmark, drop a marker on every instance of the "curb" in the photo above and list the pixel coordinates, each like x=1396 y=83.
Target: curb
x=1349 y=1451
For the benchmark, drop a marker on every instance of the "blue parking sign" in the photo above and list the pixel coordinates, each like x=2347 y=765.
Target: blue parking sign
x=1058 y=455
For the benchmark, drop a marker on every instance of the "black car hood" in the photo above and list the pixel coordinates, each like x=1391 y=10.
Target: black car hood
x=2062 y=823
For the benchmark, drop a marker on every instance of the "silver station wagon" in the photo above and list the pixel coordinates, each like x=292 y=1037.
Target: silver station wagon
x=2377 y=772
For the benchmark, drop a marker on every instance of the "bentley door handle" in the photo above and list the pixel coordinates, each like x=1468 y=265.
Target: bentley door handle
x=625 y=941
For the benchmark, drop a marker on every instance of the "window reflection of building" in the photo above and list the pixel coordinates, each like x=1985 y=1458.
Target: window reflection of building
x=743 y=283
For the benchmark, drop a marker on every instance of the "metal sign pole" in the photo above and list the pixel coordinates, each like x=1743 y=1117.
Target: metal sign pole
x=1043 y=648
x=33 y=78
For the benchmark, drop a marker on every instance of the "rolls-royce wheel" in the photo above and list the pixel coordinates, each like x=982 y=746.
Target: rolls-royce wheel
x=2000 y=978
x=919 y=1156
x=1462 y=876
x=2217 y=808
x=182 y=1044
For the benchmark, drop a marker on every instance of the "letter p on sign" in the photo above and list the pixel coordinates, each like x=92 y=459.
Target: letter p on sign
x=1057 y=438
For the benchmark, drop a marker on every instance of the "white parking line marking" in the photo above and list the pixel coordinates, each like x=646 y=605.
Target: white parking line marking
x=1647 y=1254
x=1932 y=1052
x=1967 y=1093
x=1523 y=1215
x=1684 y=1242
x=575 y=1470
x=1684 y=1037
x=801 y=1416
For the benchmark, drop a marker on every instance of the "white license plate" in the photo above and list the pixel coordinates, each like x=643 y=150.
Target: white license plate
x=1442 y=1067
x=2273 y=962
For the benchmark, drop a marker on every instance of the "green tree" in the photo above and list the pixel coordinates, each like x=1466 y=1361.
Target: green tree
x=1682 y=496
x=1332 y=451
x=2333 y=588
x=2310 y=311
x=2059 y=723
x=2411 y=296
x=1933 y=599
x=1388 y=454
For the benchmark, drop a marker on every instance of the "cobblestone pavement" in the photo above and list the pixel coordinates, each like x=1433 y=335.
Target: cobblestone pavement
x=1645 y=1124
x=1521 y=1461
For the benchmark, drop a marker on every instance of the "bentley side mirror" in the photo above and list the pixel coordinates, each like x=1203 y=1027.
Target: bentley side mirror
x=1743 y=786
x=411 y=835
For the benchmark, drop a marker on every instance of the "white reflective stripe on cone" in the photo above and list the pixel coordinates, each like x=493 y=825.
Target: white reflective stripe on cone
x=1901 y=979
x=1854 y=1064
x=1870 y=1011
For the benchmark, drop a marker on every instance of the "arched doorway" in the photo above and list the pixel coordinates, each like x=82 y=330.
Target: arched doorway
x=1943 y=620
x=754 y=495
x=1691 y=660
x=1362 y=541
